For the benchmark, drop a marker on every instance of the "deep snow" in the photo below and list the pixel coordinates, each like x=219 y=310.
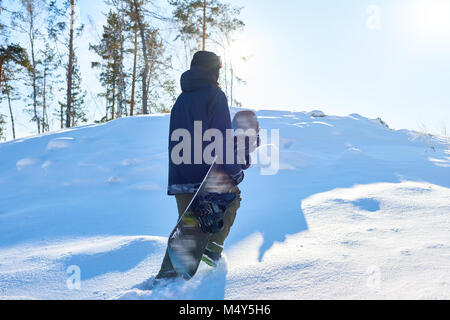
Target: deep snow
x=356 y=211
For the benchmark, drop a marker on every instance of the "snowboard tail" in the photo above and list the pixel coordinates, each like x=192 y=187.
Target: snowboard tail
x=202 y=218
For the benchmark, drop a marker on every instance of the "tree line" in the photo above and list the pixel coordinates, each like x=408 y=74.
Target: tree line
x=135 y=57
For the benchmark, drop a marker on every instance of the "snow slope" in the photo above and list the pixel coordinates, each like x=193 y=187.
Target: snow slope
x=356 y=211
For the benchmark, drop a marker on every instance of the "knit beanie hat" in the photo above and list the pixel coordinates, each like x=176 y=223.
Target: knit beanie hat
x=206 y=60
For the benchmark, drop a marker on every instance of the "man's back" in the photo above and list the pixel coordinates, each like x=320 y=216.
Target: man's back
x=201 y=101
x=200 y=107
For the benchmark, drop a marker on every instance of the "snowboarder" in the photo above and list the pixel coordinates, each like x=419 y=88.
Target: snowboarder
x=201 y=100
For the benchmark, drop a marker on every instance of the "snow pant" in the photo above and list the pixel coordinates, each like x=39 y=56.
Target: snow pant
x=216 y=241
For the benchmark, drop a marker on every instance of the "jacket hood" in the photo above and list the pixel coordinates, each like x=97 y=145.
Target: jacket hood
x=197 y=78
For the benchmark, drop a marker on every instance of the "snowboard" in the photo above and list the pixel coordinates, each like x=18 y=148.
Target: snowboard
x=189 y=238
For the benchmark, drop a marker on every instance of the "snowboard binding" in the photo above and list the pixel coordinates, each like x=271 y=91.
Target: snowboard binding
x=210 y=210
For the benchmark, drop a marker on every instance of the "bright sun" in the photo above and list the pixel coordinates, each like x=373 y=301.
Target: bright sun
x=431 y=18
x=239 y=49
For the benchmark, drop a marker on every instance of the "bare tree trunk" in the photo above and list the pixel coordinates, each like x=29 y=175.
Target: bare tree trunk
x=35 y=90
x=144 y=53
x=231 y=84
x=113 y=101
x=204 y=25
x=8 y=95
x=44 y=103
x=70 y=67
x=121 y=84
x=11 y=115
x=2 y=61
x=61 y=116
x=33 y=60
x=106 y=107
x=150 y=74
x=133 y=80
x=225 y=75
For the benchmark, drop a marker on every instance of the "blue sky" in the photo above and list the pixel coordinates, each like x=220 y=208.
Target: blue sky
x=378 y=58
x=327 y=55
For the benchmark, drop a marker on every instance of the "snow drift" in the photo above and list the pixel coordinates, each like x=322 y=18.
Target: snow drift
x=356 y=211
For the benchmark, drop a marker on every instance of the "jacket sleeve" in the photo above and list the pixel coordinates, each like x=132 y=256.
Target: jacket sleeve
x=220 y=119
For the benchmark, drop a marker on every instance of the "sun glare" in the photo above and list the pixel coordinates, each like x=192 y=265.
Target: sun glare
x=430 y=19
x=239 y=51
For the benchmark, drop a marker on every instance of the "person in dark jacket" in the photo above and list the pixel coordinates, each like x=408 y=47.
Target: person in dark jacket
x=201 y=101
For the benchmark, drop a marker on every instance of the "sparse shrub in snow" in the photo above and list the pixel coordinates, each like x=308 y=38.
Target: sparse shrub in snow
x=446 y=137
x=425 y=136
x=383 y=123
x=317 y=114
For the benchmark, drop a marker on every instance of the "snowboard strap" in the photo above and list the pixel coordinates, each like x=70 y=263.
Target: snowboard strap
x=210 y=211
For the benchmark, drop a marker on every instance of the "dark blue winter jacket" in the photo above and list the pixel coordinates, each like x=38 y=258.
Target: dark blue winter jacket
x=201 y=100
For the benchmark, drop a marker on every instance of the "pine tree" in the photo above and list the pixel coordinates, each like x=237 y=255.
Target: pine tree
x=202 y=20
x=2 y=127
x=78 y=108
x=122 y=41
x=139 y=13
x=78 y=97
x=119 y=6
x=10 y=75
x=50 y=81
x=70 y=66
x=161 y=88
x=65 y=33
x=213 y=23
x=136 y=12
x=16 y=54
x=111 y=76
x=1 y=23
x=13 y=62
x=134 y=29
x=28 y=21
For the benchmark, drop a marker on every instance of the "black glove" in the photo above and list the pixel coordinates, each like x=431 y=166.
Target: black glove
x=248 y=149
x=247 y=162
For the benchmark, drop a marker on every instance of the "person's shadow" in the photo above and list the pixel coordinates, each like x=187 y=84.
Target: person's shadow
x=272 y=205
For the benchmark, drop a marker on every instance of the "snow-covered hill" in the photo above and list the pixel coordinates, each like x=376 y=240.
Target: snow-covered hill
x=356 y=211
